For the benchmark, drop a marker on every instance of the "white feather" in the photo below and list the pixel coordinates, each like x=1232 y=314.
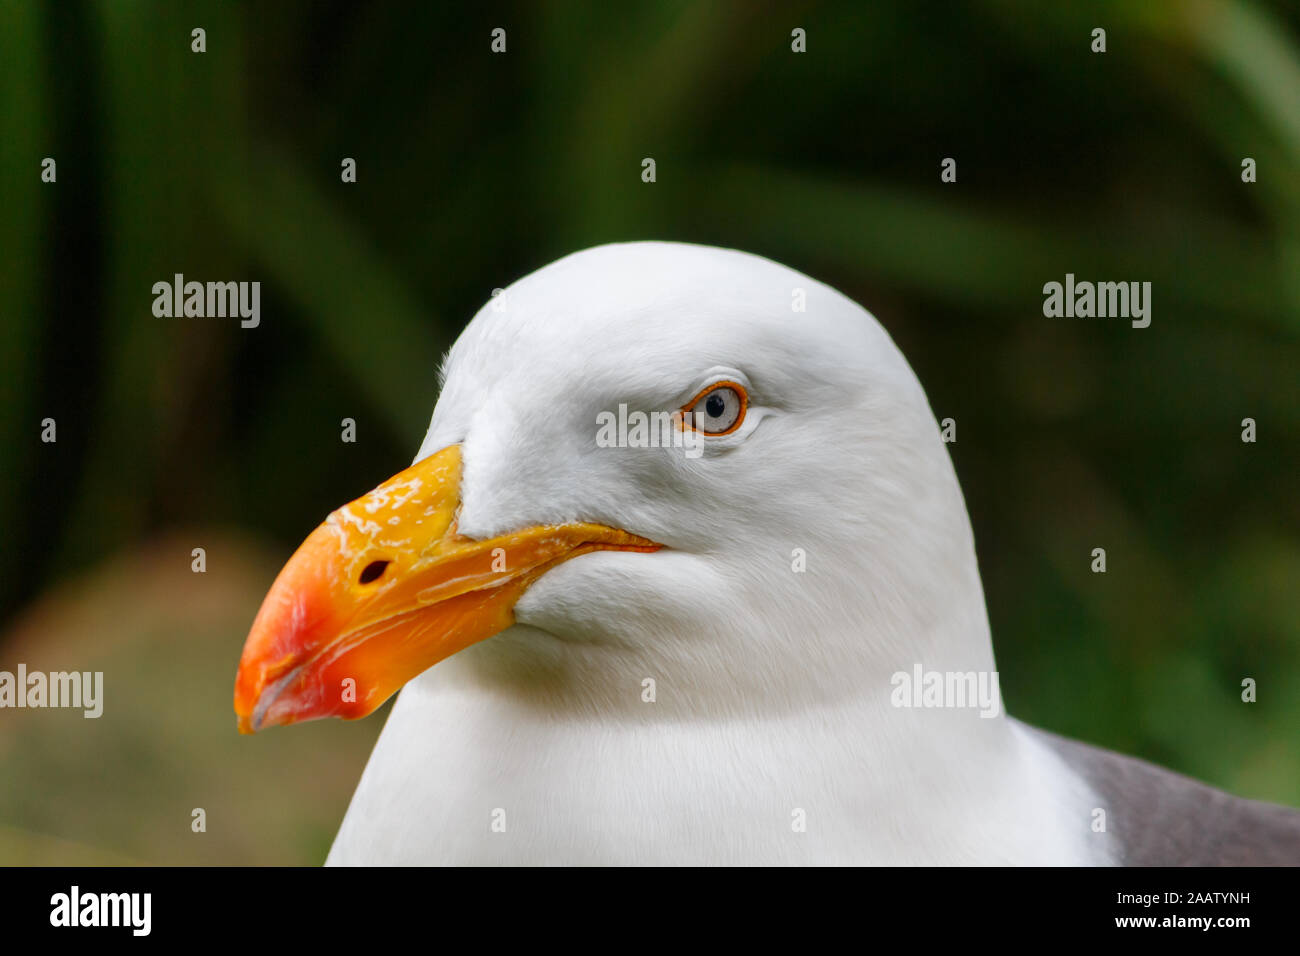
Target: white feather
x=772 y=686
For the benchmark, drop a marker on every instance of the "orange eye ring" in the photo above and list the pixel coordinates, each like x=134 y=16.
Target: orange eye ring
x=684 y=414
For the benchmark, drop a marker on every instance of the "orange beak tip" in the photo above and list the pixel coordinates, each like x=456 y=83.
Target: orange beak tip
x=386 y=588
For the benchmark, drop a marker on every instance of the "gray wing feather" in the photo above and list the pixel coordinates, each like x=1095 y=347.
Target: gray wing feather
x=1162 y=818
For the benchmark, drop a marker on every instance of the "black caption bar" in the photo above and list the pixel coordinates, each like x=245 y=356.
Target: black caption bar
x=297 y=906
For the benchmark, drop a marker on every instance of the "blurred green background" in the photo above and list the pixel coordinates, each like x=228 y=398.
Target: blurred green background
x=475 y=168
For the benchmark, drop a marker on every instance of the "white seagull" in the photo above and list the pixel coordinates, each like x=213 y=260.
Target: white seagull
x=685 y=520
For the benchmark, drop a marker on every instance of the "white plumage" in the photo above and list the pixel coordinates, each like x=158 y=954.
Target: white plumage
x=772 y=686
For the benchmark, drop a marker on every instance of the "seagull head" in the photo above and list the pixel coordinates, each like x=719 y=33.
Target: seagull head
x=647 y=460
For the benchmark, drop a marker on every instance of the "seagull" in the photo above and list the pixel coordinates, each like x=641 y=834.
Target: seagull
x=745 y=626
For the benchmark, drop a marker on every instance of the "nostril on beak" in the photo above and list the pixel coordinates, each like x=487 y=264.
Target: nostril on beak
x=372 y=571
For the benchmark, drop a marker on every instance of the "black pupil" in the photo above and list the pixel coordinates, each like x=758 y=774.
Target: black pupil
x=372 y=571
x=715 y=405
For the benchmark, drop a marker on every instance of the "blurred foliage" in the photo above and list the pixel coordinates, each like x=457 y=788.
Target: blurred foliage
x=123 y=788
x=474 y=169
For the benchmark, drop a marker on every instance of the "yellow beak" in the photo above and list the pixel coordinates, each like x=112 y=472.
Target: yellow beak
x=385 y=589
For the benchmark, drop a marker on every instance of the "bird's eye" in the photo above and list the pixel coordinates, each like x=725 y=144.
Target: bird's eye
x=718 y=410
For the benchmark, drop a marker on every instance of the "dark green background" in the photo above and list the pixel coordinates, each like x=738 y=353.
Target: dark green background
x=475 y=169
